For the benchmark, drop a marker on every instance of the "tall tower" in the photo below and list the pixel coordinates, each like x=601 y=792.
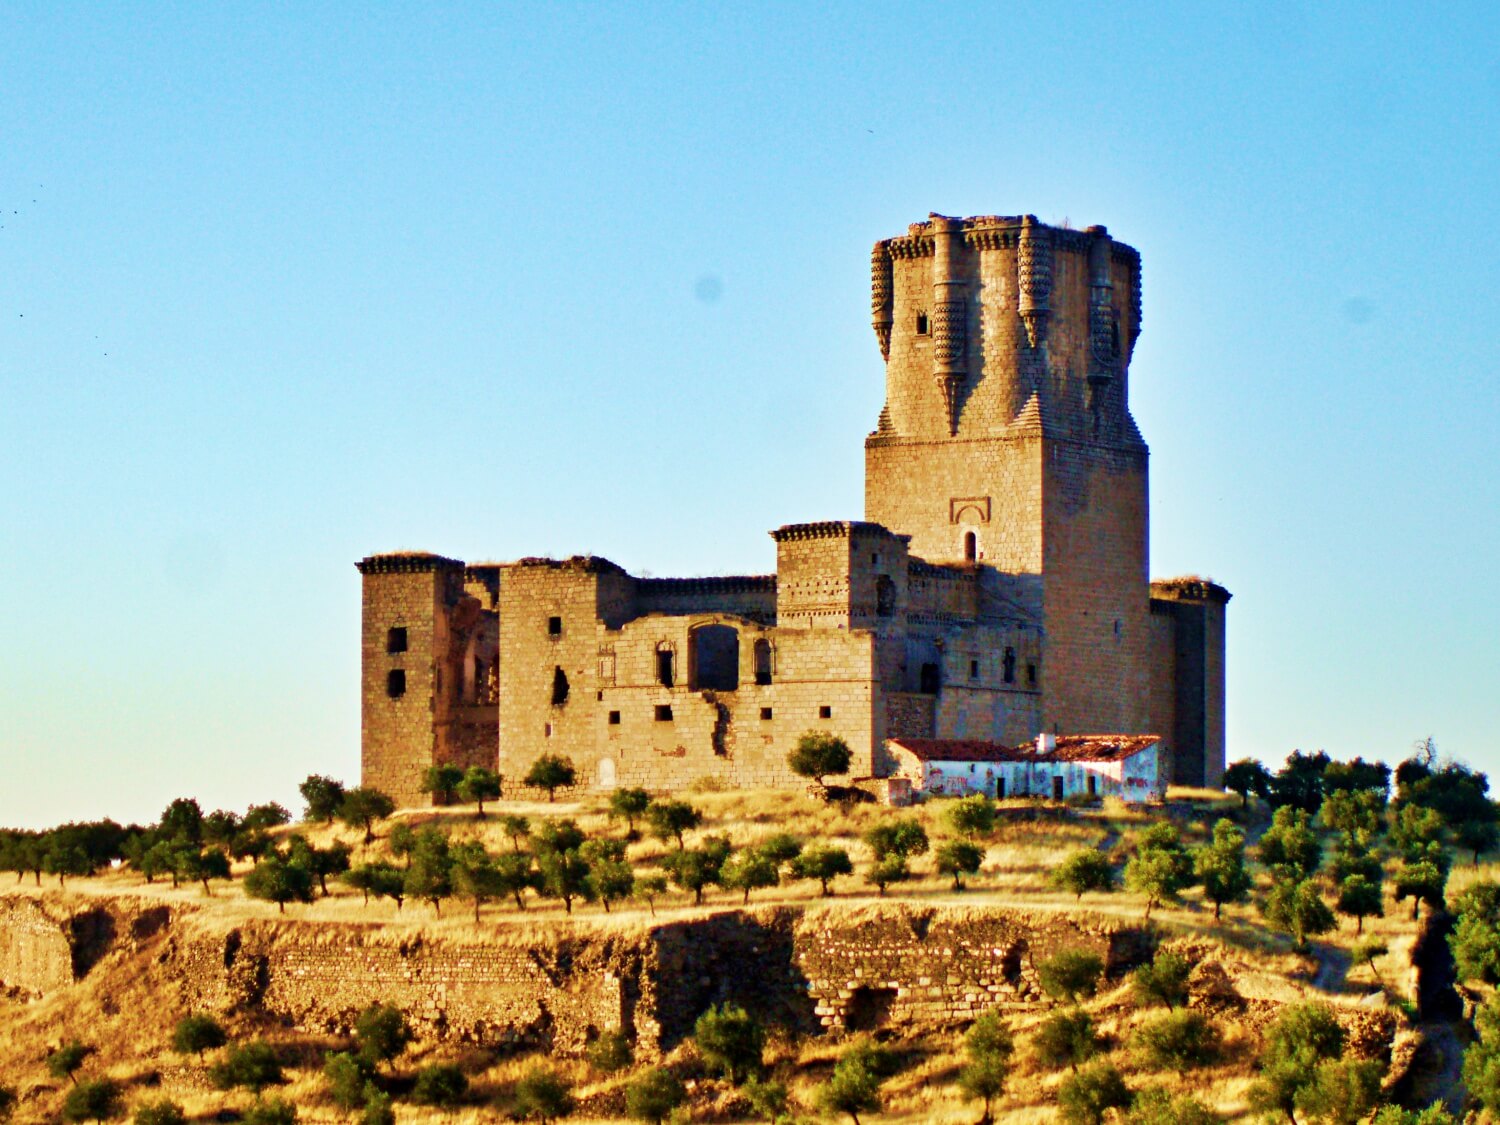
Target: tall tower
x=1006 y=439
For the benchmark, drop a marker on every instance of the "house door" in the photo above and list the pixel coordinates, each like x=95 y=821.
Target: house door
x=1093 y=786
x=1057 y=789
x=999 y=787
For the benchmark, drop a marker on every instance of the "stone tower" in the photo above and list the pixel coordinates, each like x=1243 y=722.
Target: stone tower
x=1006 y=440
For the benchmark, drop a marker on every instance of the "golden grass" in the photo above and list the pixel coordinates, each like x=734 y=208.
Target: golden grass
x=126 y=1007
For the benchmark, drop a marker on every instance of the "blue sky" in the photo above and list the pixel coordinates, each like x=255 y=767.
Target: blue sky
x=281 y=286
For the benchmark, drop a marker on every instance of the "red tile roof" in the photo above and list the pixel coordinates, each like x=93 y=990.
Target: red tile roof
x=1069 y=748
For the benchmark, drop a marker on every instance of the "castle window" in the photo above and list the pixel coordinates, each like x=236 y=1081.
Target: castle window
x=765 y=714
x=614 y=718
x=547 y=730
x=554 y=626
x=1031 y=675
x=395 y=683
x=714 y=652
x=921 y=324
x=971 y=546
x=666 y=664
x=885 y=596
x=395 y=639
x=763 y=660
x=825 y=712
x=1008 y=666
x=559 y=687
x=663 y=712
x=930 y=680
x=973 y=669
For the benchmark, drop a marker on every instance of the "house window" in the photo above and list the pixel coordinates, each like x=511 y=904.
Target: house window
x=921 y=324
x=614 y=718
x=666 y=665
x=663 y=712
x=395 y=639
x=395 y=683
x=765 y=714
x=554 y=626
x=559 y=687
x=1008 y=666
x=825 y=712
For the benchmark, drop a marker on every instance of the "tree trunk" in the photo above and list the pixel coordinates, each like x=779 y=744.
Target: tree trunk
x=1359 y=924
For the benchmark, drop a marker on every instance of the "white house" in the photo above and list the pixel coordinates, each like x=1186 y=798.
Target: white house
x=1129 y=766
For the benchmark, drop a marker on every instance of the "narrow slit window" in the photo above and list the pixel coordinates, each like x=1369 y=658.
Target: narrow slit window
x=973 y=669
x=1008 y=666
x=395 y=683
x=971 y=547
x=1031 y=675
x=395 y=639
x=921 y=324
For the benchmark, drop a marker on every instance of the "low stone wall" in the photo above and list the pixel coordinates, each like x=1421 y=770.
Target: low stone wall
x=555 y=986
x=900 y=964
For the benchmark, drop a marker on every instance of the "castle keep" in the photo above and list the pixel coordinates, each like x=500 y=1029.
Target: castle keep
x=997 y=588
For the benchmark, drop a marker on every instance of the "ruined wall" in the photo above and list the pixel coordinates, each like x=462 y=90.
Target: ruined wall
x=36 y=956
x=555 y=986
x=903 y=964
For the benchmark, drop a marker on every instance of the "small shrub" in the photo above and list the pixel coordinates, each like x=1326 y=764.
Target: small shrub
x=653 y=1096
x=1085 y=1097
x=1065 y=1039
x=610 y=1052
x=439 y=1085
x=65 y=1061
x=382 y=1033
x=543 y=1094
x=1177 y=1040
x=378 y=1109
x=768 y=1100
x=272 y=1111
x=1070 y=975
x=1155 y=1105
x=195 y=1034
x=164 y=1112
x=253 y=1065
x=1163 y=981
x=348 y=1076
x=98 y=1100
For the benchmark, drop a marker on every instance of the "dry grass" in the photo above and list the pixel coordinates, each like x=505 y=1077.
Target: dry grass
x=127 y=1006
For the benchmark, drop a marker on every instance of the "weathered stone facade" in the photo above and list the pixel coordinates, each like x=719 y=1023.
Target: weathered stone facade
x=999 y=588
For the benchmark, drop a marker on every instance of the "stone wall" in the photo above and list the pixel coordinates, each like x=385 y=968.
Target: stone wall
x=555 y=986
x=36 y=956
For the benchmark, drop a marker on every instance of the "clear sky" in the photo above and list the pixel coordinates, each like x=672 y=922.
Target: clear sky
x=285 y=285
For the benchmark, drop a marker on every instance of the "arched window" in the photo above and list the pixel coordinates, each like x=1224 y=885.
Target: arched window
x=715 y=657
x=1008 y=666
x=971 y=546
x=764 y=660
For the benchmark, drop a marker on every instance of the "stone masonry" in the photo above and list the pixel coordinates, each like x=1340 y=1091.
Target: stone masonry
x=997 y=588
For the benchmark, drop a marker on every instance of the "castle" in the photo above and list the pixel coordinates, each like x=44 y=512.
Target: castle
x=997 y=588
